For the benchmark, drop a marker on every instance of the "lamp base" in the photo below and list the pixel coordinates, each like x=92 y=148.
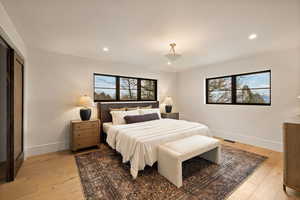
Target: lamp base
x=168 y=108
x=85 y=114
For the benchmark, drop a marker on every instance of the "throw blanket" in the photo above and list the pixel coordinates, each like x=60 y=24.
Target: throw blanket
x=138 y=142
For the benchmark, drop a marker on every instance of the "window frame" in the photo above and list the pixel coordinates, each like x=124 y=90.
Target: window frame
x=118 y=88
x=234 y=90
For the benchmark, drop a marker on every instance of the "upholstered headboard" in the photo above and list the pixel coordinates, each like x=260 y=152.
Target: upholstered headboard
x=104 y=109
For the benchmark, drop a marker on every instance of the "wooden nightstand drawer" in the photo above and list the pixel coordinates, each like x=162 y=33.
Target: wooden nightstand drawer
x=86 y=142
x=84 y=125
x=86 y=133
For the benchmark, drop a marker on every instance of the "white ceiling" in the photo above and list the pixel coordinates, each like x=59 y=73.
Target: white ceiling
x=138 y=32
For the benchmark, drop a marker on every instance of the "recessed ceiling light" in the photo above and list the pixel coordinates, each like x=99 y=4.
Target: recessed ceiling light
x=105 y=49
x=169 y=63
x=252 y=36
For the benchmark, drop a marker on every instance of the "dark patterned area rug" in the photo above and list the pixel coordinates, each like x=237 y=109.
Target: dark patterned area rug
x=104 y=176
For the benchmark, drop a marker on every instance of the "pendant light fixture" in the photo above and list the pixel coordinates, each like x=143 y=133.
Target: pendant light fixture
x=172 y=56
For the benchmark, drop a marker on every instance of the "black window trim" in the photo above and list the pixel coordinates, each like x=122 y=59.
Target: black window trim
x=233 y=89
x=118 y=88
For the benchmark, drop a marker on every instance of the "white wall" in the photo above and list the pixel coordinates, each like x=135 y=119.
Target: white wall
x=9 y=32
x=257 y=125
x=56 y=81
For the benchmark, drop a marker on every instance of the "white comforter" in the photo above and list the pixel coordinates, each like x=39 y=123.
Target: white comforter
x=138 y=142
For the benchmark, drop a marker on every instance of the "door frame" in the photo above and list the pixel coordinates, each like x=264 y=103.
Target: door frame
x=13 y=165
x=7 y=77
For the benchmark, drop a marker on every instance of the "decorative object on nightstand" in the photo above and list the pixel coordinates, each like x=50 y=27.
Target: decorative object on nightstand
x=169 y=103
x=174 y=115
x=84 y=134
x=86 y=102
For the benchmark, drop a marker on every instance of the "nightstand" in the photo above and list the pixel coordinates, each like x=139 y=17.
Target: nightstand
x=174 y=115
x=84 y=134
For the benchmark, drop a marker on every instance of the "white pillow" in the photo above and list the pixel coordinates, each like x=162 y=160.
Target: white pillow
x=148 y=111
x=118 y=116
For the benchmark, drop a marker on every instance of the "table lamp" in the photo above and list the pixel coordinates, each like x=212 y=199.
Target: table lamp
x=85 y=112
x=168 y=102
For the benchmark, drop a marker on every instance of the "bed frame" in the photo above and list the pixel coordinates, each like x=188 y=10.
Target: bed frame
x=104 y=111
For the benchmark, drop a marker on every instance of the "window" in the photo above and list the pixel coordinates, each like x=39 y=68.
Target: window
x=105 y=88
x=128 y=88
x=250 y=89
x=119 y=88
x=253 y=88
x=219 y=90
x=148 y=89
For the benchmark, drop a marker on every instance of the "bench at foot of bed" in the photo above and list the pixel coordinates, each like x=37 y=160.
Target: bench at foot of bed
x=172 y=154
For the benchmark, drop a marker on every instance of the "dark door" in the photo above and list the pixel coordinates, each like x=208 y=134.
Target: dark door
x=16 y=137
x=4 y=122
x=11 y=112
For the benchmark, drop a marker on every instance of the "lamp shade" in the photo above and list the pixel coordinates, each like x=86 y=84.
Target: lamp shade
x=168 y=101
x=85 y=101
x=298 y=97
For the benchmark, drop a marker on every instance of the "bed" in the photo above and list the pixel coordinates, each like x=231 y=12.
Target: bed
x=138 y=142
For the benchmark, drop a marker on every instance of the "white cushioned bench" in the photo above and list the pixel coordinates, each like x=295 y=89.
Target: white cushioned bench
x=172 y=154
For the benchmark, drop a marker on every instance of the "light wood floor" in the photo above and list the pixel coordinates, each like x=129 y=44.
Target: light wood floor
x=54 y=176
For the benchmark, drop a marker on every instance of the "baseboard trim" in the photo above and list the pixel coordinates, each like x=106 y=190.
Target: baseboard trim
x=45 y=148
x=255 y=141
